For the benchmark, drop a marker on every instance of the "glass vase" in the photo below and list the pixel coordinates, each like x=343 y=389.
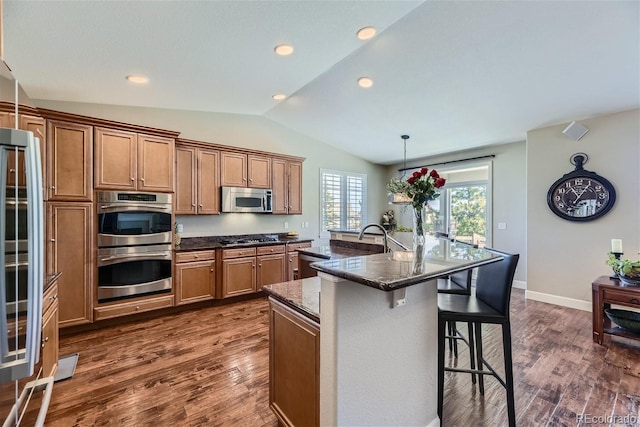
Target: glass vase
x=419 y=224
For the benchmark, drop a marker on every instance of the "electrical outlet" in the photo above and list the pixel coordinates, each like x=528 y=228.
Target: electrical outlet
x=302 y=224
x=306 y=224
x=378 y=240
x=286 y=225
x=502 y=226
x=179 y=228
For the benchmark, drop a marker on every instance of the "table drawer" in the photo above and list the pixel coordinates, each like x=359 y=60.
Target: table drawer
x=623 y=297
x=237 y=253
x=49 y=297
x=268 y=250
x=291 y=247
x=195 y=256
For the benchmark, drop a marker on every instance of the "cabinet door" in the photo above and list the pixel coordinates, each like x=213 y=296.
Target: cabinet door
x=208 y=182
x=279 y=182
x=185 y=197
x=294 y=192
x=115 y=159
x=50 y=340
x=36 y=125
x=155 y=163
x=259 y=171
x=195 y=281
x=69 y=161
x=294 y=367
x=233 y=169
x=271 y=269
x=69 y=232
x=293 y=266
x=238 y=276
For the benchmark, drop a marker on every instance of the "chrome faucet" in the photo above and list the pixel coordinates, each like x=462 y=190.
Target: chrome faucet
x=384 y=232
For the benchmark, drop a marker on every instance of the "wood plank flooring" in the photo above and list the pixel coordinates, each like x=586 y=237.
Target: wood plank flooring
x=209 y=367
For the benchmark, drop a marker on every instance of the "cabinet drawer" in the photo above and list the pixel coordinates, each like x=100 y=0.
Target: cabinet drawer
x=268 y=250
x=195 y=256
x=292 y=247
x=236 y=253
x=124 y=309
x=616 y=296
x=50 y=296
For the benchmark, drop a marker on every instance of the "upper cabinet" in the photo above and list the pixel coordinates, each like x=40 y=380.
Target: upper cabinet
x=36 y=126
x=69 y=161
x=197 y=180
x=132 y=161
x=287 y=187
x=245 y=170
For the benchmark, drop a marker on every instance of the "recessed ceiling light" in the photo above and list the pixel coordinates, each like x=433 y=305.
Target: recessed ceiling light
x=138 y=79
x=279 y=96
x=284 y=49
x=365 y=82
x=366 y=33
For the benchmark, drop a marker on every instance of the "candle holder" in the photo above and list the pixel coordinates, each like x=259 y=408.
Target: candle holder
x=617 y=256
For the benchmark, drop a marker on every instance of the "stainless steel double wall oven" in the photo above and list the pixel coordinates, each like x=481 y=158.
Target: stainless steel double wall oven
x=134 y=244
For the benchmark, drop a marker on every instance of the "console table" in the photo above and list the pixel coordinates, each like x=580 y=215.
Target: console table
x=607 y=291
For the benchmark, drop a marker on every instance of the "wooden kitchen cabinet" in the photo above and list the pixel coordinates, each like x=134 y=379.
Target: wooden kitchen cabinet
x=36 y=126
x=195 y=276
x=271 y=265
x=292 y=258
x=70 y=252
x=132 y=161
x=294 y=366
x=233 y=169
x=287 y=187
x=69 y=161
x=238 y=276
x=244 y=170
x=197 y=181
x=50 y=343
x=259 y=171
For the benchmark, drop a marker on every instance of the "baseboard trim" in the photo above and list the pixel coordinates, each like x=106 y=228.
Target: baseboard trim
x=519 y=284
x=557 y=300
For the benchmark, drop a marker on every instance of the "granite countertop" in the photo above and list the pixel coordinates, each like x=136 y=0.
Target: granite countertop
x=216 y=242
x=301 y=295
x=334 y=252
x=402 y=268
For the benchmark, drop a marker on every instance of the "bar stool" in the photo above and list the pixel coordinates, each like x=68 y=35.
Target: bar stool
x=490 y=304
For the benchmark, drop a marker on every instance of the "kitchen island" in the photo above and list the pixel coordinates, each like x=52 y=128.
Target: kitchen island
x=379 y=343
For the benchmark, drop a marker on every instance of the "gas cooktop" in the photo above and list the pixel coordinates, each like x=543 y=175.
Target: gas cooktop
x=243 y=240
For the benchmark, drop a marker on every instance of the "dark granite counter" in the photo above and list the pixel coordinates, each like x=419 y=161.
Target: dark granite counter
x=216 y=242
x=301 y=295
x=334 y=252
x=403 y=268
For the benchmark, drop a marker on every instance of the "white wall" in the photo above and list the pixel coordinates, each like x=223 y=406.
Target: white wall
x=509 y=196
x=254 y=132
x=564 y=257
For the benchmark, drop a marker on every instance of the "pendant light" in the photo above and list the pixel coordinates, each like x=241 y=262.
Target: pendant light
x=399 y=198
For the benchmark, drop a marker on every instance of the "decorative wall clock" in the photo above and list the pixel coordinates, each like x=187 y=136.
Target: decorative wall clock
x=581 y=195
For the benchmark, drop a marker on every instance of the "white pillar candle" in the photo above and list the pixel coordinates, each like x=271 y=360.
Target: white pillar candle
x=616 y=245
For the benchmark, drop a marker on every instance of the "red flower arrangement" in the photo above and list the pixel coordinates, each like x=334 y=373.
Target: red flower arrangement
x=419 y=187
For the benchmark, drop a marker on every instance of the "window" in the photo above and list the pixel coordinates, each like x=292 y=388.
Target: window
x=343 y=200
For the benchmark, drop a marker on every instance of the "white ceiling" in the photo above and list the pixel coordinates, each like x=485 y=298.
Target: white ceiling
x=454 y=75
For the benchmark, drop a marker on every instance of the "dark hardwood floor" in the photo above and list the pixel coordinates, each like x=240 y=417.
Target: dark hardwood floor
x=209 y=367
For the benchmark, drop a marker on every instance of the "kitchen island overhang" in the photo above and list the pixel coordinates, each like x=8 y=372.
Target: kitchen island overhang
x=379 y=342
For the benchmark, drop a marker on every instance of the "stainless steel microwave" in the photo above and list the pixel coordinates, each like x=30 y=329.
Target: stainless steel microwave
x=240 y=199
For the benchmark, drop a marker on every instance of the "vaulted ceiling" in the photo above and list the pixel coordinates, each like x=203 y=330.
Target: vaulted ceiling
x=452 y=74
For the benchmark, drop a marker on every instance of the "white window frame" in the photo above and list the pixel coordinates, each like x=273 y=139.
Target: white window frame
x=344 y=176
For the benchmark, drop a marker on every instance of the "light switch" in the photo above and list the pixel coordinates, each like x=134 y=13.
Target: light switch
x=502 y=226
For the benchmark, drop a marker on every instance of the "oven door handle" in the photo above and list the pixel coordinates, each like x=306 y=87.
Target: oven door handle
x=164 y=255
x=127 y=207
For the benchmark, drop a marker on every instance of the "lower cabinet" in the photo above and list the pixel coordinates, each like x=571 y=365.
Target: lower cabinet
x=294 y=366
x=195 y=276
x=245 y=271
x=292 y=259
x=134 y=306
x=50 y=331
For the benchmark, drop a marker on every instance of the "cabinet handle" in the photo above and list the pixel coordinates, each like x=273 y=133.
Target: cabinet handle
x=137 y=307
x=142 y=179
x=244 y=179
x=53 y=187
x=196 y=256
x=211 y=270
x=53 y=240
x=133 y=179
x=44 y=341
x=200 y=205
x=253 y=266
x=634 y=301
x=193 y=205
x=259 y=265
x=239 y=253
x=271 y=249
x=12 y=171
x=53 y=297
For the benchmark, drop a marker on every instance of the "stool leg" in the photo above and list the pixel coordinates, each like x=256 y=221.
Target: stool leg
x=472 y=351
x=441 y=344
x=454 y=332
x=508 y=373
x=478 y=328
